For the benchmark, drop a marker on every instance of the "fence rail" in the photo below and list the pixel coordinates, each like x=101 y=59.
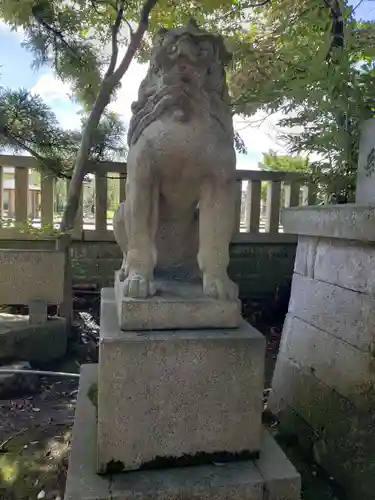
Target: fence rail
x=257 y=216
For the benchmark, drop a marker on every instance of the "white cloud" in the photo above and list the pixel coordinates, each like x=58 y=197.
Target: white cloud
x=51 y=88
x=57 y=95
x=128 y=92
x=6 y=30
x=260 y=134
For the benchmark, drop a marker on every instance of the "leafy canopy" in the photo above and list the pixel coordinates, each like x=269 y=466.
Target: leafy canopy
x=283 y=163
x=314 y=63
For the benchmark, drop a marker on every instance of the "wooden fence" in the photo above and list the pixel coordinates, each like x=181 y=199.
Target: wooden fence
x=255 y=221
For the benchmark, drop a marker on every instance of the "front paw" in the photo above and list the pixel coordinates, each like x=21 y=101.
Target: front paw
x=220 y=288
x=138 y=287
x=122 y=274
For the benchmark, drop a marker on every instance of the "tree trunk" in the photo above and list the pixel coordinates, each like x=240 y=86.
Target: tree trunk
x=110 y=80
x=75 y=185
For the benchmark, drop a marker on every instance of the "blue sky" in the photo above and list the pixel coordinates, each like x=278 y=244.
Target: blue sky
x=365 y=9
x=16 y=71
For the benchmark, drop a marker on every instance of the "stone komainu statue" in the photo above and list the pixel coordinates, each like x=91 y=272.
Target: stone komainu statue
x=181 y=155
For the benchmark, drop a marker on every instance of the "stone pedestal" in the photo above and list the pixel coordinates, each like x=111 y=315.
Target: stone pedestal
x=271 y=477
x=186 y=403
x=176 y=305
x=183 y=396
x=323 y=384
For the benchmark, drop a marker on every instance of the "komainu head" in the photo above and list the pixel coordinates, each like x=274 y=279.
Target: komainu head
x=187 y=66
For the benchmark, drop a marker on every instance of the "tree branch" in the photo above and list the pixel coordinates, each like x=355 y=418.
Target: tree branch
x=57 y=33
x=337 y=28
x=135 y=39
x=260 y=4
x=114 y=30
x=129 y=26
x=21 y=144
x=356 y=7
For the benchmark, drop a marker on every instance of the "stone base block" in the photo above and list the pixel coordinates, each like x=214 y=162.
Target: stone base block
x=177 y=396
x=35 y=343
x=272 y=477
x=341 y=436
x=176 y=305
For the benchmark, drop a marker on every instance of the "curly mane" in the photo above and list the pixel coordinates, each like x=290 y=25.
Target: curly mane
x=160 y=92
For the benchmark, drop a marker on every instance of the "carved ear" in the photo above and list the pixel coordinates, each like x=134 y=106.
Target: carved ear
x=224 y=55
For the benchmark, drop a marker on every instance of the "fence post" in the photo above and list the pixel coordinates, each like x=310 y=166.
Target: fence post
x=122 y=189
x=273 y=206
x=46 y=205
x=237 y=207
x=292 y=193
x=1 y=193
x=253 y=201
x=21 y=193
x=101 y=201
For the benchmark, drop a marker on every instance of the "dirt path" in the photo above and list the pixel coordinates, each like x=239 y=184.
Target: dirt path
x=35 y=460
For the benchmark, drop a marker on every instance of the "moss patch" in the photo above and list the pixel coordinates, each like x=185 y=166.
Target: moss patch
x=92 y=394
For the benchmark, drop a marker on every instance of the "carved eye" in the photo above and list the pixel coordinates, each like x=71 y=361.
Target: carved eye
x=172 y=49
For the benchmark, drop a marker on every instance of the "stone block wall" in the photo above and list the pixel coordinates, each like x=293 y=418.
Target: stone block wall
x=324 y=381
x=258 y=268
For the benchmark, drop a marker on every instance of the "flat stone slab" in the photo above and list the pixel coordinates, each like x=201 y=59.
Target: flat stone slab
x=176 y=305
x=27 y=275
x=350 y=221
x=272 y=477
x=35 y=343
x=177 y=394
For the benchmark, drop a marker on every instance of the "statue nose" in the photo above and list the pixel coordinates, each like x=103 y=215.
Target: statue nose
x=184 y=50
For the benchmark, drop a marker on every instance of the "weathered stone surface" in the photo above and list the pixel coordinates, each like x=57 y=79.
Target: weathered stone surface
x=343 y=313
x=176 y=393
x=175 y=306
x=365 y=185
x=38 y=312
x=347 y=264
x=304 y=263
x=27 y=275
x=258 y=268
x=344 y=441
x=82 y=481
x=281 y=480
x=246 y=480
x=181 y=154
x=34 y=343
x=351 y=221
x=336 y=363
x=18 y=384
